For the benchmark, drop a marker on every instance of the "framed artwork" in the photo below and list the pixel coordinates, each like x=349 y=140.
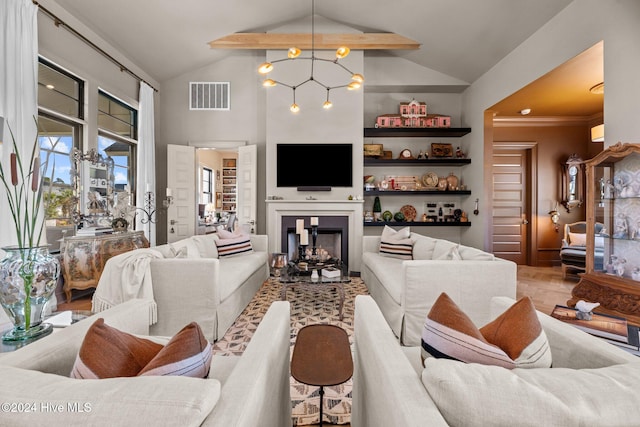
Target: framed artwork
x=218 y=200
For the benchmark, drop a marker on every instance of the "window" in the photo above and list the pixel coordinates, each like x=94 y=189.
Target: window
x=207 y=186
x=117 y=132
x=59 y=90
x=61 y=104
x=122 y=153
x=57 y=139
x=117 y=117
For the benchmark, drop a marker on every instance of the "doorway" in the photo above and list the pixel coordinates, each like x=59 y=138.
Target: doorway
x=513 y=200
x=234 y=181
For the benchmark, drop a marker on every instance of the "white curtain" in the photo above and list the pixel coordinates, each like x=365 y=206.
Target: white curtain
x=18 y=91
x=146 y=173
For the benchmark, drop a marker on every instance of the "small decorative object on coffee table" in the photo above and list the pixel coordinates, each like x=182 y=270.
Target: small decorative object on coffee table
x=322 y=357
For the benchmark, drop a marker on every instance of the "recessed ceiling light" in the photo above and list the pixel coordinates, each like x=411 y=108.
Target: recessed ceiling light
x=525 y=111
x=50 y=86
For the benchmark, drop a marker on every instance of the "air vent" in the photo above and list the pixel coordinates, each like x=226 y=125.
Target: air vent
x=209 y=96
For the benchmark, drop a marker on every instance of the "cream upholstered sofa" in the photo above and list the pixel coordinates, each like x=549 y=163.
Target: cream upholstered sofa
x=248 y=390
x=199 y=286
x=591 y=382
x=405 y=290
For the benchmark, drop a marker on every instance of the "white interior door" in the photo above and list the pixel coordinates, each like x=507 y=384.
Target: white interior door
x=181 y=179
x=246 y=187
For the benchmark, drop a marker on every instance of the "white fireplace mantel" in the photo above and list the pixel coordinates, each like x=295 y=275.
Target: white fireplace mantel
x=353 y=209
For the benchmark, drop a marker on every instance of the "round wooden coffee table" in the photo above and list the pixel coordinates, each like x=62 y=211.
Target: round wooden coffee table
x=322 y=357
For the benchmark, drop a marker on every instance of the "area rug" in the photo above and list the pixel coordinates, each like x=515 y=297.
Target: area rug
x=307 y=307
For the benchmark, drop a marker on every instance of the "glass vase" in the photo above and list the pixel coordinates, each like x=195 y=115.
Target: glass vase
x=28 y=278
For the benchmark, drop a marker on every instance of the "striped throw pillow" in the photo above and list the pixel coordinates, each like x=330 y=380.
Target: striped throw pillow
x=514 y=340
x=235 y=246
x=107 y=352
x=187 y=354
x=401 y=249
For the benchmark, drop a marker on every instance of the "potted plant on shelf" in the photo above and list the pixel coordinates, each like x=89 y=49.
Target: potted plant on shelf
x=377 y=209
x=28 y=273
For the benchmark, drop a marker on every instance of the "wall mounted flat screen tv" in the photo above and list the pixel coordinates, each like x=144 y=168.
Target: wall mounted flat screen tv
x=314 y=166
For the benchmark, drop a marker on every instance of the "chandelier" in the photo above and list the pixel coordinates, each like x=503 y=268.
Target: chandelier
x=293 y=54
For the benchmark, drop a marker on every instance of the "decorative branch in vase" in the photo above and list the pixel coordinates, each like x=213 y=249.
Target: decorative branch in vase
x=28 y=273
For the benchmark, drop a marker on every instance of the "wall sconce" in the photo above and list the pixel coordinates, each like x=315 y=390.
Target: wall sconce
x=555 y=217
x=168 y=200
x=597 y=133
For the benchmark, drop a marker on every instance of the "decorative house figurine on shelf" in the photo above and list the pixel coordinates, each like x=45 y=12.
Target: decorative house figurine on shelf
x=413 y=115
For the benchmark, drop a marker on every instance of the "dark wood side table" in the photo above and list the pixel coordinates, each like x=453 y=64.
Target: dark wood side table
x=322 y=357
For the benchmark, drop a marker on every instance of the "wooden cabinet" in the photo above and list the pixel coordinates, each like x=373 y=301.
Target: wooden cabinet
x=229 y=185
x=84 y=257
x=612 y=275
x=428 y=200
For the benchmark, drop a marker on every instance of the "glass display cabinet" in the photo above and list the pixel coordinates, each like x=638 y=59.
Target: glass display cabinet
x=612 y=275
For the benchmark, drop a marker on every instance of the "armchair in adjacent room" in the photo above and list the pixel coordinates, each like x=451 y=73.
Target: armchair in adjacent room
x=573 y=253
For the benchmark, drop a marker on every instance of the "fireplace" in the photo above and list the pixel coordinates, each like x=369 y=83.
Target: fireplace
x=333 y=235
x=351 y=231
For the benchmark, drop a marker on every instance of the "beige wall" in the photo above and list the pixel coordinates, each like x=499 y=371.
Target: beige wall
x=578 y=27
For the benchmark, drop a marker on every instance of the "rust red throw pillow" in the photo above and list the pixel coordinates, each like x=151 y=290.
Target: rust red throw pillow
x=513 y=340
x=107 y=352
x=188 y=354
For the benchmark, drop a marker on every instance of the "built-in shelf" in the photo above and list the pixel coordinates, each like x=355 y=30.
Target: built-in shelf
x=415 y=132
x=417 y=224
x=413 y=192
x=372 y=161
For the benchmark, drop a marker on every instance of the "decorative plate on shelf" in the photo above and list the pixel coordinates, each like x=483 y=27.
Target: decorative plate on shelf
x=430 y=180
x=409 y=212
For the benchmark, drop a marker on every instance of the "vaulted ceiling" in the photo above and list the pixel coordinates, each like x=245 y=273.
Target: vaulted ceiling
x=460 y=38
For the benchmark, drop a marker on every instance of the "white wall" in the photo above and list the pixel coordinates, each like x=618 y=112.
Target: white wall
x=243 y=122
x=579 y=26
x=343 y=123
x=69 y=52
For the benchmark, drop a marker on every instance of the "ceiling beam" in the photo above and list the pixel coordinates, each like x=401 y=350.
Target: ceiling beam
x=362 y=41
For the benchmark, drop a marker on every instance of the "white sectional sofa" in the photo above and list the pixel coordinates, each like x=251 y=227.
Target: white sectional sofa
x=591 y=382
x=242 y=391
x=190 y=283
x=405 y=290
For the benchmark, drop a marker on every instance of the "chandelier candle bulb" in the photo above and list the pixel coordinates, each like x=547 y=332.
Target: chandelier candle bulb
x=314 y=220
x=299 y=226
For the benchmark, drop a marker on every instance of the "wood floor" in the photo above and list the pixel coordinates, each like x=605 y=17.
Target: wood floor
x=544 y=285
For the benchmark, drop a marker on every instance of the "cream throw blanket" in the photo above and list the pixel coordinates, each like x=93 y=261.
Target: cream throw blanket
x=127 y=276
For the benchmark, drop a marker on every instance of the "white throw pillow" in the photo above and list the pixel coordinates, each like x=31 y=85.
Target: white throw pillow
x=577 y=239
x=206 y=245
x=474 y=394
x=442 y=248
x=192 y=249
x=423 y=246
x=389 y=233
